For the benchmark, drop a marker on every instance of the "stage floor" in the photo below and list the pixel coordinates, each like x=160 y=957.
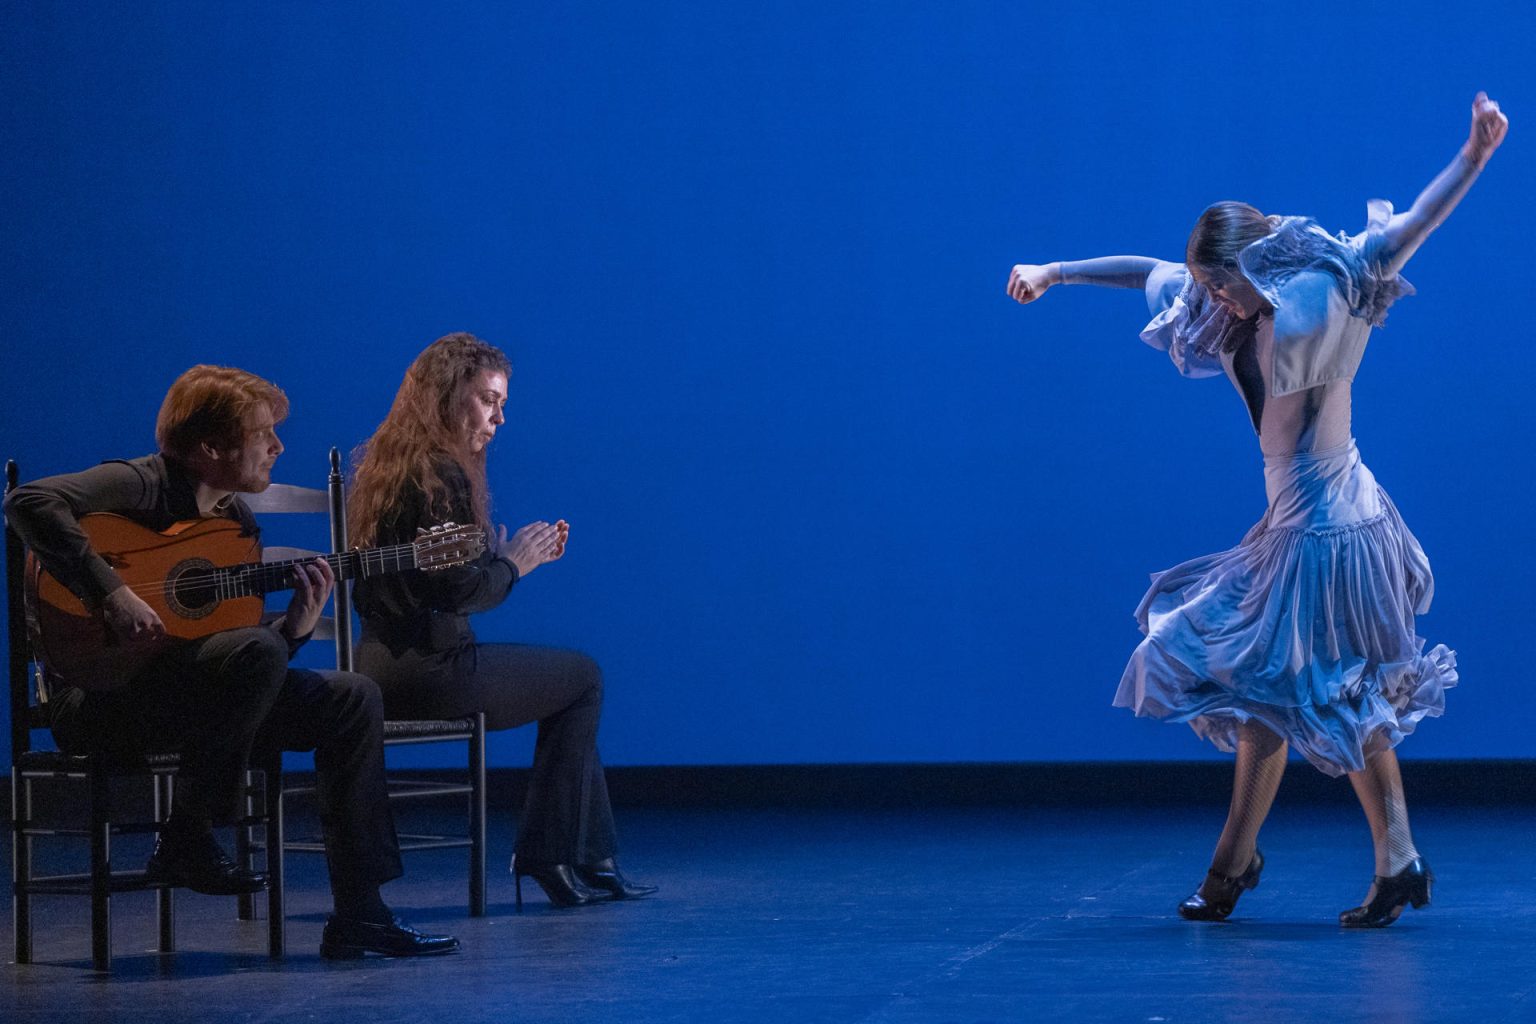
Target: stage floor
x=893 y=917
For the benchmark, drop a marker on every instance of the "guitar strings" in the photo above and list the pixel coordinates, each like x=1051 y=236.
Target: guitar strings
x=227 y=580
x=246 y=570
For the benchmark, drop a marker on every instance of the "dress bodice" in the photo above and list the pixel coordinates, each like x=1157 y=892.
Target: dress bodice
x=1293 y=364
x=1309 y=420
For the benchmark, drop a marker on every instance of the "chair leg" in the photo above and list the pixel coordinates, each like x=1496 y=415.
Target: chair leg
x=272 y=797
x=21 y=864
x=245 y=903
x=165 y=898
x=101 y=869
x=477 y=818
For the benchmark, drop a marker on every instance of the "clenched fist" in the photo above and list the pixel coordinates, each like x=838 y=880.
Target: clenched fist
x=1029 y=281
x=1489 y=126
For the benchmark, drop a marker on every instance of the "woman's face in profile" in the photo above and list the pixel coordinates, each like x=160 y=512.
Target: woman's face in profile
x=480 y=408
x=1231 y=289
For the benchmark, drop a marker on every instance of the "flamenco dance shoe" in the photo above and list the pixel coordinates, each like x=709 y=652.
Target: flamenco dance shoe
x=1217 y=898
x=559 y=882
x=604 y=876
x=1410 y=885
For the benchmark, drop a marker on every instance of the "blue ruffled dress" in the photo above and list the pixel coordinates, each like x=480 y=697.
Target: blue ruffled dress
x=1307 y=625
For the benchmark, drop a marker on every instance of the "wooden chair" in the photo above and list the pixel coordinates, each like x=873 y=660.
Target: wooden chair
x=102 y=811
x=470 y=730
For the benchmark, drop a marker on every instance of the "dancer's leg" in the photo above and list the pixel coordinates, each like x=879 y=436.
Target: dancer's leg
x=1380 y=789
x=1256 y=778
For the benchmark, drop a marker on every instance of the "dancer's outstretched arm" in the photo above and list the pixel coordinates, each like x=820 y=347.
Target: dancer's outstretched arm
x=1028 y=281
x=1407 y=230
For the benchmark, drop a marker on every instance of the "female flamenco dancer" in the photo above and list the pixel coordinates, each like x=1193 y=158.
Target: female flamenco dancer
x=1303 y=634
x=425 y=465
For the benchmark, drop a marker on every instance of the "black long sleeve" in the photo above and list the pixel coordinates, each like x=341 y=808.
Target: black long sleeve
x=45 y=514
x=464 y=590
x=153 y=491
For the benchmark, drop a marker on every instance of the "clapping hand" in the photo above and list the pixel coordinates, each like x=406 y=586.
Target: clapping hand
x=533 y=545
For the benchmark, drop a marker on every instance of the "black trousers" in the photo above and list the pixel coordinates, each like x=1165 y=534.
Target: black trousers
x=219 y=700
x=566 y=815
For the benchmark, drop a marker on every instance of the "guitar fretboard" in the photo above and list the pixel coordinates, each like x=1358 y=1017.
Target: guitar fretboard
x=254 y=579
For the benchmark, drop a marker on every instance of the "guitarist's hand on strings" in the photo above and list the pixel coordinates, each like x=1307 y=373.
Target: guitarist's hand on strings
x=533 y=545
x=312 y=583
x=129 y=617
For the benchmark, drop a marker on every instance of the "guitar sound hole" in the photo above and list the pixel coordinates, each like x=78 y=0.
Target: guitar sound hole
x=191 y=588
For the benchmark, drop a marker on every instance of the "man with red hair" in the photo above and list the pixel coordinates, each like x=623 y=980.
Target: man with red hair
x=216 y=699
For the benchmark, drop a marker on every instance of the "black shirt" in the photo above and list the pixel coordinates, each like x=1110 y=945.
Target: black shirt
x=155 y=491
x=402 y=608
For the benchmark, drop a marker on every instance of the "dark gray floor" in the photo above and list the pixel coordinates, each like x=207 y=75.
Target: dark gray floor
x=891 y=917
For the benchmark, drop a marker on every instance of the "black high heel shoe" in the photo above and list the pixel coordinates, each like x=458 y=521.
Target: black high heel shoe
x=1410 y=885
x=604 y=876
x=1223 y=892
x=558 y=881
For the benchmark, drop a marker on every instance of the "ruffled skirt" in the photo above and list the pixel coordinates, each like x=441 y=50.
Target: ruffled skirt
x=1307 y=626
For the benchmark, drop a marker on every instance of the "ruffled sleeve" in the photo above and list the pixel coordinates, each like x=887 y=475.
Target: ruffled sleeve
x=1379 y=287
x=1185 y=322
x=1298 y=244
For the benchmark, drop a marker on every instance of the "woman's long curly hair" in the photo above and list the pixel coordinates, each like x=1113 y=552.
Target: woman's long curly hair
x=423 y=430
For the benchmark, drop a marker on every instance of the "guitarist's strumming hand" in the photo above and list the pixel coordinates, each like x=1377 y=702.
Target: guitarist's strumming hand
x=312 y=583
x=129 y=617
x=533 y=545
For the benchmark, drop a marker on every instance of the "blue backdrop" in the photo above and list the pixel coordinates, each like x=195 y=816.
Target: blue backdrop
x=833 y=497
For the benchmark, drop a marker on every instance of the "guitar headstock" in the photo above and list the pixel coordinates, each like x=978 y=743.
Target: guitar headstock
x=448 y=545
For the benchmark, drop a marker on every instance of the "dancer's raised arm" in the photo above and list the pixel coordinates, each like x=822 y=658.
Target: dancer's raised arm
x=1407 y=231
x=1028 y=281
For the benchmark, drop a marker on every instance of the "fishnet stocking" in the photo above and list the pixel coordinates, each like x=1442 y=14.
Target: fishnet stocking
x=1260 y=766
x=1380 y=789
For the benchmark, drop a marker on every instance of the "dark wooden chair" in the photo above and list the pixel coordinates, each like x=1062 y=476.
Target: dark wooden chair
x=469 y=730
x=99 y=814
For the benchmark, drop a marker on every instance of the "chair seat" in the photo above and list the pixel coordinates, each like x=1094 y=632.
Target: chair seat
x=402 y=729
x=58 y=761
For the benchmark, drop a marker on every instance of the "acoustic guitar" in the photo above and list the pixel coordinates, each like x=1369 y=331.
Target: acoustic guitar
x=201 y=576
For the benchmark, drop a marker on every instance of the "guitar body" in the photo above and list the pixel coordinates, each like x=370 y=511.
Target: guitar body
x=169 y=570
x=201 y=577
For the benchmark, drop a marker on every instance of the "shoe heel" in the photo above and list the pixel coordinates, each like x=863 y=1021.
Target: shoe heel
x=1255 y=869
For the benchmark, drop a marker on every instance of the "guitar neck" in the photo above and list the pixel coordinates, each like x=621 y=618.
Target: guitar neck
x=256 y=578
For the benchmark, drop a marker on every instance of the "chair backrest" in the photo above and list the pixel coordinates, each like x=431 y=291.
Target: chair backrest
x=284 y=499
x=23 y=680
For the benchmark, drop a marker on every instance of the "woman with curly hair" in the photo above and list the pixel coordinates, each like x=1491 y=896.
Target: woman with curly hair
x=425 y=465
x=1303 y=635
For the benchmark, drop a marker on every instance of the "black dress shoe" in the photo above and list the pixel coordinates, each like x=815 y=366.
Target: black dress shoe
x=558 y=881
x=198 y=862
x=1217 y=898
x=1410 y=885
x=604 y=876
x=347 y=939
